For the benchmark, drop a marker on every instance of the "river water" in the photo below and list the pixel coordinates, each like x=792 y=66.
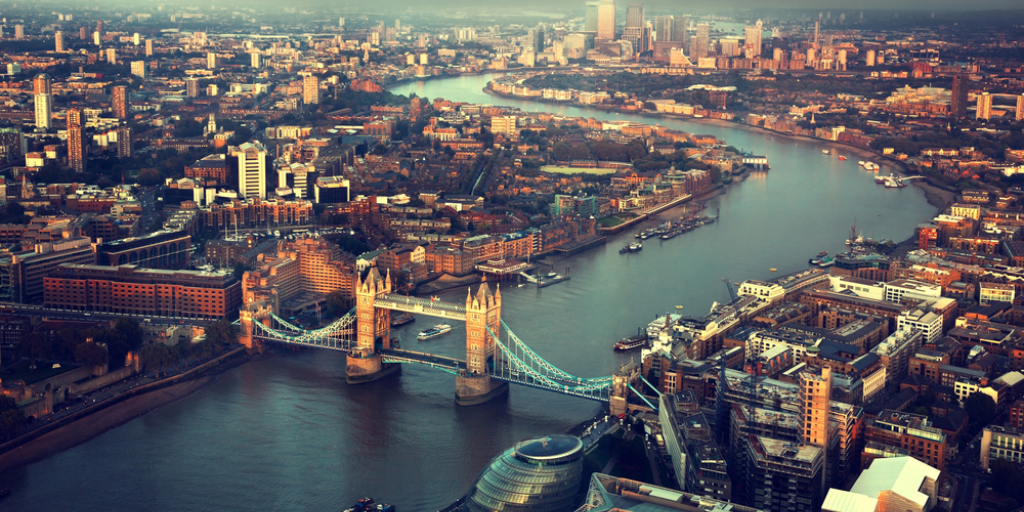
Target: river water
x=286 y=432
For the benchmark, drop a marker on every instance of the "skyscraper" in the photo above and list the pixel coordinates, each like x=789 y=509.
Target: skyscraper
x=192 y=87
x=211 y=60
x=255 y=56
x=252 y=170
x=149 y=47
x=817 y=31
x=42 y=90
x=538 y=39
x=958 y=102
x=124 y=142
x=76 y=143
x=19 y=31
x=703 y=39
x=680 y=33
x=310 y=90
x=58 y=42
x=663 y=27
x=815 y=406
x=606 y=20
x=634 y=30
x=119 y=101
x=83 y=34
x=111 y=55
x=984 y=106
x=1020 y=108
x=591 y=17
x=752 y=40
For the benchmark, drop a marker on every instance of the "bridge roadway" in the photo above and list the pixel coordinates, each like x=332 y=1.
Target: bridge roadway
x=14 y=308
x=397 y=355
x=420 y=306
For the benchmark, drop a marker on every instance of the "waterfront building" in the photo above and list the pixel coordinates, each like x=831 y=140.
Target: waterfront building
x=536 y=475
x=131 y=290
x=43 y=95
x=162 y=249
x=22 y=273
x=323 y=267
x=606 y=20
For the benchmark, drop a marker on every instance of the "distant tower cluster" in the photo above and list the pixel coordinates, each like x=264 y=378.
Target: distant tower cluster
x=606 y=20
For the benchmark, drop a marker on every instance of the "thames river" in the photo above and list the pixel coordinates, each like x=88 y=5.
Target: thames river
x=287 y=433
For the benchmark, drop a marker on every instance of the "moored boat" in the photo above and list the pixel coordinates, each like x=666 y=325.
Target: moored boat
x=402 y=319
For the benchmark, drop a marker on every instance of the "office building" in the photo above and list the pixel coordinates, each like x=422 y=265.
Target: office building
x=958 y=102
x=139 y=68
x=897 y=483
x=76 y=141
x=752 y=40
x=132 y=290
x=58 y=42
x=192 y=87
x=124 y=142
x=538 y=40
x=310 y=90
x=984 y=106
x=252 y=170
x=703 y=40
x=591 y=17
x=43 y=95
x=663 y=26
x=606 y=20
x=634 y=30
x=119 y=101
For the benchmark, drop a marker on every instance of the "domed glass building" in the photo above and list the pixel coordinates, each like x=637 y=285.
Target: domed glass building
x=536 y=475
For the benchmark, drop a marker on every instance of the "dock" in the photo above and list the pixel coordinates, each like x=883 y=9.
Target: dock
x=548 y=281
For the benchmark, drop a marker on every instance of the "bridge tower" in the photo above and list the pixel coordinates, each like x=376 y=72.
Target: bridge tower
x=373 y=331
x=474 y=385
x=258 y=311
x=618 y=400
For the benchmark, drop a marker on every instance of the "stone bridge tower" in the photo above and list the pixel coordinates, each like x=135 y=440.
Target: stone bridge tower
x=474 y=385
x=373 y=331
x=258 y=311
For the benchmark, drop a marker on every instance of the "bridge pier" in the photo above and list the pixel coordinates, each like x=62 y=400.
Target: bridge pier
x=477 y=389
x=360 y=368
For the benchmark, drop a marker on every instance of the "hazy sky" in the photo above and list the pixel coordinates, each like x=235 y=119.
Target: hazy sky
x=708 y=5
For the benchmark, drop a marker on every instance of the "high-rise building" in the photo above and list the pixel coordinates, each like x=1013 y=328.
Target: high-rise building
x=58 y=42
x=310 y=90
x=42 y=90
x=538 y=40
x=76 y=142
x=252 y=170
x=211 y=60
x=1020 y=108
x=99 y=26
x=111 y=55
x=119 y=101
x=149 y=47
x=137 y=39
x=124 y=141
x=83 y=34
x=958 y=102
x=680 y=33
x=815 y=407
x=192 y=87
x=606 y=20
x=984 y=106
x=591 y=17
x=703 y=39
x=255 y=56
x=817 y=31
x=19 y=31
x=139 y=68
x=634 y=29
x=663 y=27
x=96 y=38
x=752 y=40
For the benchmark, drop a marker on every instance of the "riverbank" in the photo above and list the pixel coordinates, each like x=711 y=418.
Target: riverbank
x=937 y=196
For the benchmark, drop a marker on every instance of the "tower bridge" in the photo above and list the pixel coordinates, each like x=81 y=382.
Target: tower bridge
x=495 y=356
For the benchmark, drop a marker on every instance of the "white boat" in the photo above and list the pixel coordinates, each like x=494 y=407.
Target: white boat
x=861 y=163
x=434 y=331
x=826 y=152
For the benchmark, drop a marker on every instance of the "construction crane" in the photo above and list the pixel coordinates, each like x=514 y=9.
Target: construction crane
x=728 y=286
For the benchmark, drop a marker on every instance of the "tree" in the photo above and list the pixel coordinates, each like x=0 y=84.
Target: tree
x=337 y=304
x=91 y=354
x=157 y=357
x=35 y=346
x=148 y=177
x=11 y=418
x=980 y=408
x=222 y=332
x=130 y=331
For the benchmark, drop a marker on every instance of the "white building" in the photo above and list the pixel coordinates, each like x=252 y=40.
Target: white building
x=896 y=290
x=252 y=170
x=921 y=319
x=898 y=483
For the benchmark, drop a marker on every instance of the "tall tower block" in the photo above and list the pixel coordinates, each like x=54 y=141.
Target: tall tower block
x=474 y=385
x=372 y=325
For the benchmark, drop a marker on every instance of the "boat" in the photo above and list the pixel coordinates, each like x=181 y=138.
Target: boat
x=861 y=163
x=826 y=262
x=826 y=152
x=821 y=254
x=635 y=247
x=631 y=342
x=842 y=158
x=773 y=269
x=679 y=307
x=879 y=179
x=402 y=319
x=434 y=331
x=520 y=285
x=552 y=274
